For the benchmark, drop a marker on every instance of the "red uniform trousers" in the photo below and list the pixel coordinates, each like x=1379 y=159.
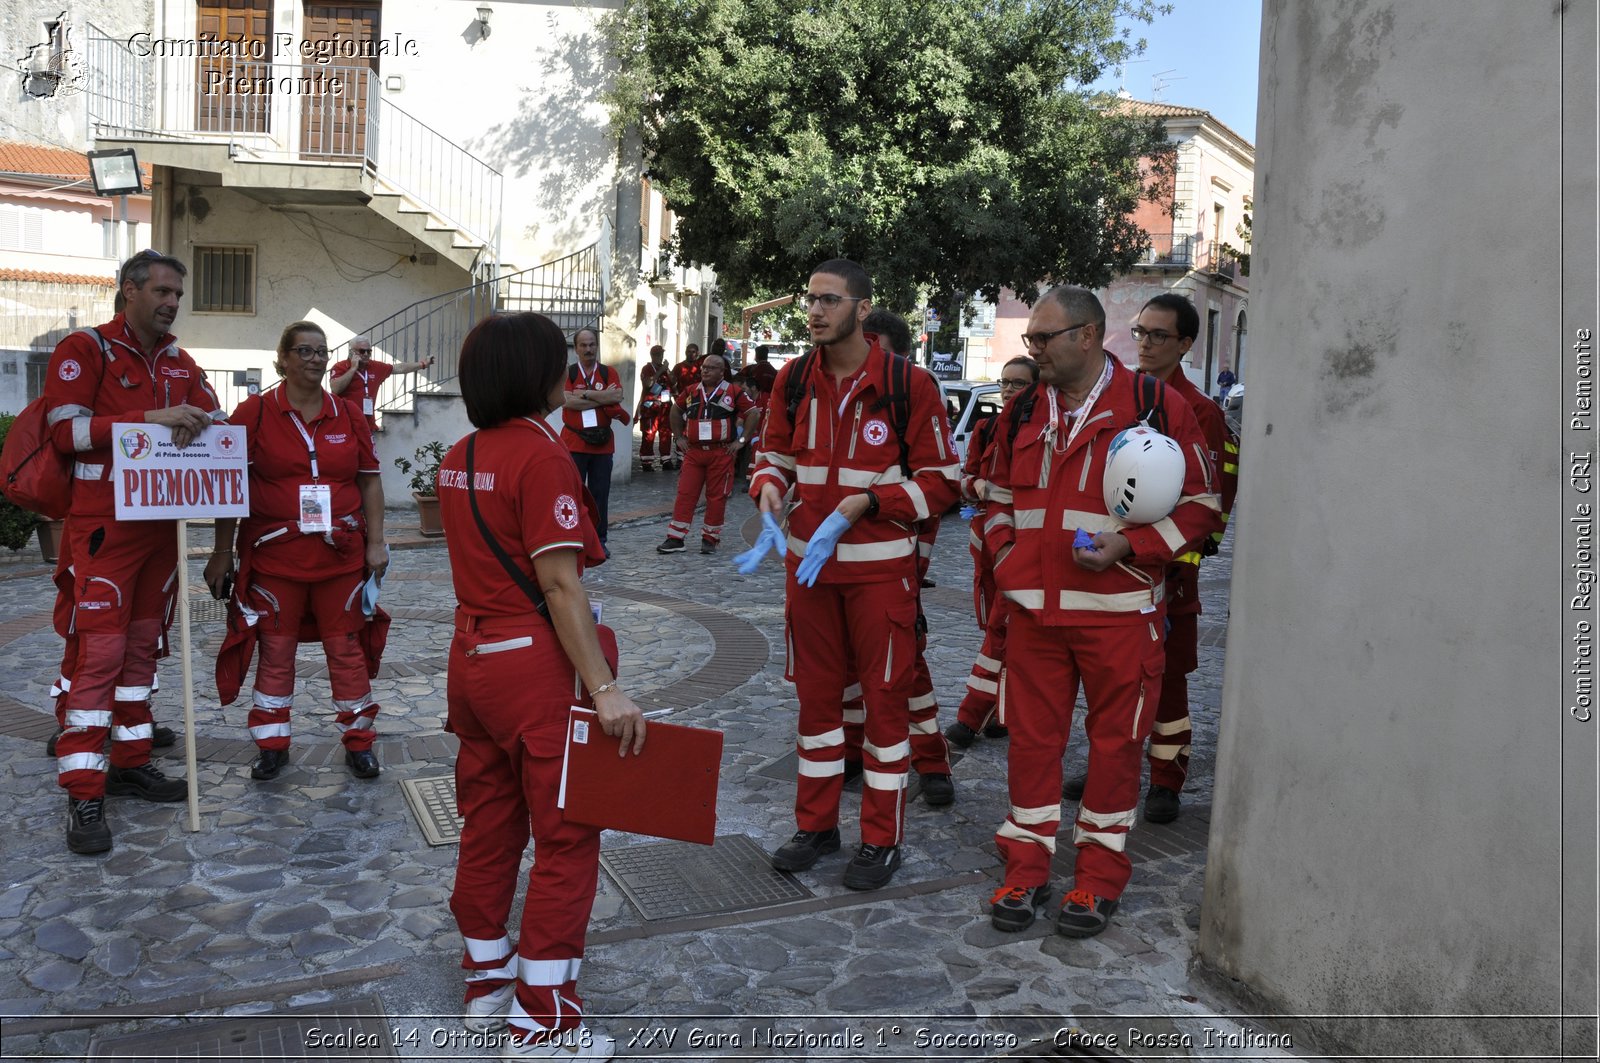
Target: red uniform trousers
x=655 y=427
x=1170 y=738
x=981 y=703
x=123 y=575
x=1120 y=667
x=836 y=631
x=930 y=753
x=508 y=773
x=336 y=605
x=711 y=468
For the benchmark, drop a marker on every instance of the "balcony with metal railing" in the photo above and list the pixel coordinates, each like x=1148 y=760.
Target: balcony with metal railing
x=1171 y=250
x=332 y=122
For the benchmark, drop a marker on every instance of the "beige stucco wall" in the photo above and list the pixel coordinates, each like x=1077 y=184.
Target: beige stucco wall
x=1393 y=814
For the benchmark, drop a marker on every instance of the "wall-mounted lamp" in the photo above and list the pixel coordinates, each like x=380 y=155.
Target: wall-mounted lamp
x=484 y=11
x=115 y=172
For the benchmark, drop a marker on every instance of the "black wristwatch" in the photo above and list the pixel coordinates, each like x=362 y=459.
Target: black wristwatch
x=872 y=504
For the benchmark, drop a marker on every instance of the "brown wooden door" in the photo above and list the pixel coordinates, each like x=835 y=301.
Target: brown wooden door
x=336 y=126
x=219 y=107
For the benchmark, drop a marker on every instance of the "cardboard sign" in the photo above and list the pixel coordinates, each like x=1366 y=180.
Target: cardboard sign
x=154 y=480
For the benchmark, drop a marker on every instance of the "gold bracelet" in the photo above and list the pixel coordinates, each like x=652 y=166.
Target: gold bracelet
x=602 y=688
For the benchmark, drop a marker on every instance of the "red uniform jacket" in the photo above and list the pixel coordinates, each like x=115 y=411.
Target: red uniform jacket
x=572 y=420
x=712 y=417
x=826 y=455
x=86 y=391
x=1183 y=575
x=363 y=388
x=1051 y=494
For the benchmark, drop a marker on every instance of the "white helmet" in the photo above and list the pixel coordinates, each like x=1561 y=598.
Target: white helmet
x=1144 y=475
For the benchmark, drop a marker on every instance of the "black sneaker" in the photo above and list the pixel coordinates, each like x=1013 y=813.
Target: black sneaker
x=145 y=781
x=1014 y=908
x=1160 y=805
x=363 y=764
x=996 y=730
x=707 y=546
x=960 y=734
x=162 y=737
x=937 y=790
x=872 y=867
x=86 y=826
x=1084 y=915
x=670 y=546
x=269 y=764
x=1072 y=789
x=804 y=849
x=50 y=746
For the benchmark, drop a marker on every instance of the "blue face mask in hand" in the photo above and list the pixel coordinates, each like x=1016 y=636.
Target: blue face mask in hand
x=968 y=512
x=771 y=538
x=821 y=548
x=369 y=591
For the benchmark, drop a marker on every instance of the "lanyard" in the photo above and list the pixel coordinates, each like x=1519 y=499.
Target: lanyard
x=850 y=387
x=705 y=400
x=588 y=378
x=311 y=441
x=1081 y=415
x=545 y=428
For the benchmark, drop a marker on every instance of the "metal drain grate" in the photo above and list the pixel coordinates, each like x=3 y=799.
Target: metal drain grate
x=433 y=802
x=205 y=608
x=667 y=880
x=346 y=1029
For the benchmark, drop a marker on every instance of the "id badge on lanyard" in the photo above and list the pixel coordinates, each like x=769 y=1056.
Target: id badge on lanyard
x=366 y=393
x=316 y=508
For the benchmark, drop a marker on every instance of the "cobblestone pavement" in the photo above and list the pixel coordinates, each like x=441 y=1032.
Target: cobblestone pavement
x=318 y=888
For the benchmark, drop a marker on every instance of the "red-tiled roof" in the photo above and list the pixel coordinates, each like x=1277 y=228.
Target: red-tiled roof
x=45 y=161
x=55 y=278
x=1152 y=109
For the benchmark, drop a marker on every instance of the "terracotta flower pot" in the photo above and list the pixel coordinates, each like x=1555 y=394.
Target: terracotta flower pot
x=432 y=526
x=50 y=535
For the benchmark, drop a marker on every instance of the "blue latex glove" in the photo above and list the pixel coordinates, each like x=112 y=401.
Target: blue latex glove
x=771 y=538
x=821 y=548
x=968 y=512
x=1083 y=541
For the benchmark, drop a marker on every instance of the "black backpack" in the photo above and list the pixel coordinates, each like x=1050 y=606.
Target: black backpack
x=897 y=401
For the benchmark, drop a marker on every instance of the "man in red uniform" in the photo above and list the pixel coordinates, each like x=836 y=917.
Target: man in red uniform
x=1090 y=614
x=686 y=374
x=593 y=401
x=367 y=376
x=711 y=422
x=1165 y=330
x=861 y=490
x=132 y=370
x=654 y=412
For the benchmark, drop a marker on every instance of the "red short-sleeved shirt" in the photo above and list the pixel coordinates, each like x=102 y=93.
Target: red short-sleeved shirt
x=280 y=461
x=532 y=500
x=364 y=388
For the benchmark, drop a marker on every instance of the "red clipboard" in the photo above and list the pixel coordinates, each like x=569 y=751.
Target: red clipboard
x=668 y=791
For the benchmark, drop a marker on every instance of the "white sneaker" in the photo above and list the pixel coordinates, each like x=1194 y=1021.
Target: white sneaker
x=487 y=1013
x=580 y=1042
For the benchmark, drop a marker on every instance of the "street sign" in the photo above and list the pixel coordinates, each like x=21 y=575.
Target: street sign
x=946 y=366
x=152 y=479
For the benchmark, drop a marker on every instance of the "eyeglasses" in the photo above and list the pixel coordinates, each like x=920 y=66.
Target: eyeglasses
x=1155 y=336
x=1031 y=340
x=828 y=300
x=310 y=354
x=1012 y=385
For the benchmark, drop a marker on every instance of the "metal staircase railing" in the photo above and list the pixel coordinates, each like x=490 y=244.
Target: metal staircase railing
x=568 y=290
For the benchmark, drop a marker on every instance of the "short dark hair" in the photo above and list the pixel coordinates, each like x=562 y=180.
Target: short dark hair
x=891 y=328
x=286 y=340
x=762 y=352
x=856 y=281
x=657 y=349
x=1188 y=316
x=137 y=268
x=1027 y=363
x=1080 y=303
x=509 y=365
x=587 y=328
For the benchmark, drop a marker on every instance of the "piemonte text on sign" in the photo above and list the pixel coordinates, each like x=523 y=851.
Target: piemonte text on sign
x=156 y=480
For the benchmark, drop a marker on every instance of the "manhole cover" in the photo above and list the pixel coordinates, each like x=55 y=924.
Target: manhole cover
x=349 y=1029
x=667 y=880
x=433 y=802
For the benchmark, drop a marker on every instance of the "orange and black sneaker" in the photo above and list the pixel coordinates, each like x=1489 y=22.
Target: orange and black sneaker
x=1084 y=915
x=1014 y=908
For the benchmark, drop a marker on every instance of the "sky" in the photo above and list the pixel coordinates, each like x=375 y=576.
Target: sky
x=1205 y=54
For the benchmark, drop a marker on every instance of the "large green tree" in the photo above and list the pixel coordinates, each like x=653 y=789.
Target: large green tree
x=948 y=145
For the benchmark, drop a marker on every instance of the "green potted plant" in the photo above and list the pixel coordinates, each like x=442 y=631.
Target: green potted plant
x=423 y=468
x=17 y=524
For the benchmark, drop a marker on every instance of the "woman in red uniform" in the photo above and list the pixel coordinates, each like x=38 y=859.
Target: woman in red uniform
x=526 y=650
x=314 y=532
x=978 y=705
